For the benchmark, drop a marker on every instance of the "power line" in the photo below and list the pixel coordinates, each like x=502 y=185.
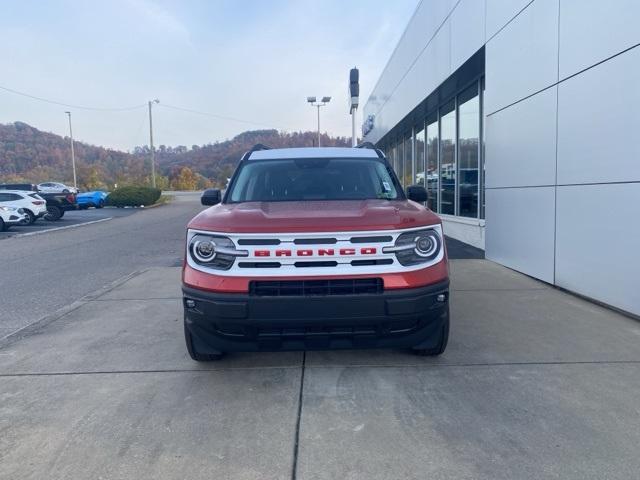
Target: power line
x=79 y=107
x=221 y=117
x=136 y=107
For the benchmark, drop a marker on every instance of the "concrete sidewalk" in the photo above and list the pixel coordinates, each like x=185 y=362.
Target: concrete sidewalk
x=535 y=383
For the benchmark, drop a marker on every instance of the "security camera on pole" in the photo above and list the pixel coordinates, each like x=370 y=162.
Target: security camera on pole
x=354 y=94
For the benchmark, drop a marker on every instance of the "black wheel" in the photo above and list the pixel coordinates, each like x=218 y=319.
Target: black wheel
x=194 y=354
x=53 y=214
x=66 y=191
x=100 y=204
x=3 y=227
x=442 y=342
x=31 y=218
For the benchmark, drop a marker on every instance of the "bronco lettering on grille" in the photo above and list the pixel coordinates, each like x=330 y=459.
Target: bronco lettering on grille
x=321 y=252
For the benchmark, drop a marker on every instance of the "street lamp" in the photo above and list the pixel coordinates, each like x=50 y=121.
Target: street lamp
x=153 y=161
x=321 y=103
x=73 y=157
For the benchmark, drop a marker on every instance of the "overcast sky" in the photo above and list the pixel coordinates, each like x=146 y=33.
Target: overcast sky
x=251 y=60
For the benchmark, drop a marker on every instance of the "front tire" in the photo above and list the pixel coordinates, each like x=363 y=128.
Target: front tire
x=194 y=353
x=31 y=218
x=441 y=346
x=3 y=227
x=100 y=204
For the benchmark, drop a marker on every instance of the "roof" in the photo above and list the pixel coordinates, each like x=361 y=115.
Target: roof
x=23 y=192
x=313 y=152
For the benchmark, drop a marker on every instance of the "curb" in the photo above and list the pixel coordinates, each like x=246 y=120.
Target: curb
x=156 y=205
x=66 y=310
x=57 y=229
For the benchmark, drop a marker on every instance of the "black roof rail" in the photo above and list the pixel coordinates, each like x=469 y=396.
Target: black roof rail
x=255 y=148
x=372 y=147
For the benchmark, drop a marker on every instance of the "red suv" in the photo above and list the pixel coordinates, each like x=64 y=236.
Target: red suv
x=315 y=248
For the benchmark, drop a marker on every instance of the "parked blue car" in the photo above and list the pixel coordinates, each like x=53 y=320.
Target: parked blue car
x=95 y=199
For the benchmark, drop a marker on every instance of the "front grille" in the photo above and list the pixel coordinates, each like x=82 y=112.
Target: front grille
x=302 y=288
x=365 y=263
x=258 y=241
x=315 y=241
x=259 y=264
x=378 y=239
x=250 y=332
x=316 y=264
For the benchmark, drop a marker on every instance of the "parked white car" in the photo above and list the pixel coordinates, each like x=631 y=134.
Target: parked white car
x=55 y=187
x=32 y=204
x=10 y=216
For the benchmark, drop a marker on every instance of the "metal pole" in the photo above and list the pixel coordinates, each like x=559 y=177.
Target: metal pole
x=354 y=139
x=153 y=161
x=73 y=156
x=318 y=125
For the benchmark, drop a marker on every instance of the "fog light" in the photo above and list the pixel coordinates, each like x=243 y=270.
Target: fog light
x=441 y=298
x=190 y=303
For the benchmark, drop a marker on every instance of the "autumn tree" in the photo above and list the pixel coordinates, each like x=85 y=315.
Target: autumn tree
x=185 y=179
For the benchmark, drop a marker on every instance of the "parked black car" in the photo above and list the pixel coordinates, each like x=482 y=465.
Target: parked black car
x=57 y=203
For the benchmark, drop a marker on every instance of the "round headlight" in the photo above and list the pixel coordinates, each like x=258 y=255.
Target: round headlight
x=204 y=250
x=426 y=245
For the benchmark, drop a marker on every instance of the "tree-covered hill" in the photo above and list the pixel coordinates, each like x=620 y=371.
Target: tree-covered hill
x=30 y=155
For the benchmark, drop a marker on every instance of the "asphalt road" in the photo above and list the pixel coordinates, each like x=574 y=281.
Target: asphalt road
x=42 y=273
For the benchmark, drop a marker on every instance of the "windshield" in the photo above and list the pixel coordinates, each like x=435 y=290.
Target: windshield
x=313 y=179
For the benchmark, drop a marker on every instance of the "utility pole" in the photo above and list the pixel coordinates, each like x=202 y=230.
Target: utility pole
x=153 y=160
x=322 y=103
x=73 y=156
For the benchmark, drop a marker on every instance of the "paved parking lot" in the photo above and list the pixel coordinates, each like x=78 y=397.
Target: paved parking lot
x=535 y=384
x=42 y=273
x=71 y=218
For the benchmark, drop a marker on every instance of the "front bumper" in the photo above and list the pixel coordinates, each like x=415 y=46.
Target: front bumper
x=241 y=322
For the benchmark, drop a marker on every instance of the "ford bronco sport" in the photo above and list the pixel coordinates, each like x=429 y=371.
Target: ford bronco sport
x=315 y=248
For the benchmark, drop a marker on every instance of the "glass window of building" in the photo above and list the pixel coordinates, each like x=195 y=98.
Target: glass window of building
x=419 y=170
x=482 y=149
x=468 y=152
x=407 y=168
x=398 y=160
x=432 y=162
x=448 y=159
x=392 y=156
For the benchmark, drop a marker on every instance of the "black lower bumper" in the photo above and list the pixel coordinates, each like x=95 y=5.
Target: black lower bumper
x=242 y=322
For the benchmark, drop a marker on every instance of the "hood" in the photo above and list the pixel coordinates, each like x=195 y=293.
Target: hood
x=314 y=216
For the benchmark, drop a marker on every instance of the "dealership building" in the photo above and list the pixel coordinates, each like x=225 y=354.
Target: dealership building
x=521 y=119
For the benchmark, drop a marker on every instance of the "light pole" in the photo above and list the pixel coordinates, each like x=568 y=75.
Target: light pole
x=354 y=95
x=153 y=160
x=321 y=103
x=73 y=156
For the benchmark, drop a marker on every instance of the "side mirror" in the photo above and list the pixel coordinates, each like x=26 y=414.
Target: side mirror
x=212 y=196
x=417 y=193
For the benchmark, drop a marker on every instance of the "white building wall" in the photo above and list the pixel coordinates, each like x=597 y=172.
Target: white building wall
x=583 y=55
x=561 y=101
